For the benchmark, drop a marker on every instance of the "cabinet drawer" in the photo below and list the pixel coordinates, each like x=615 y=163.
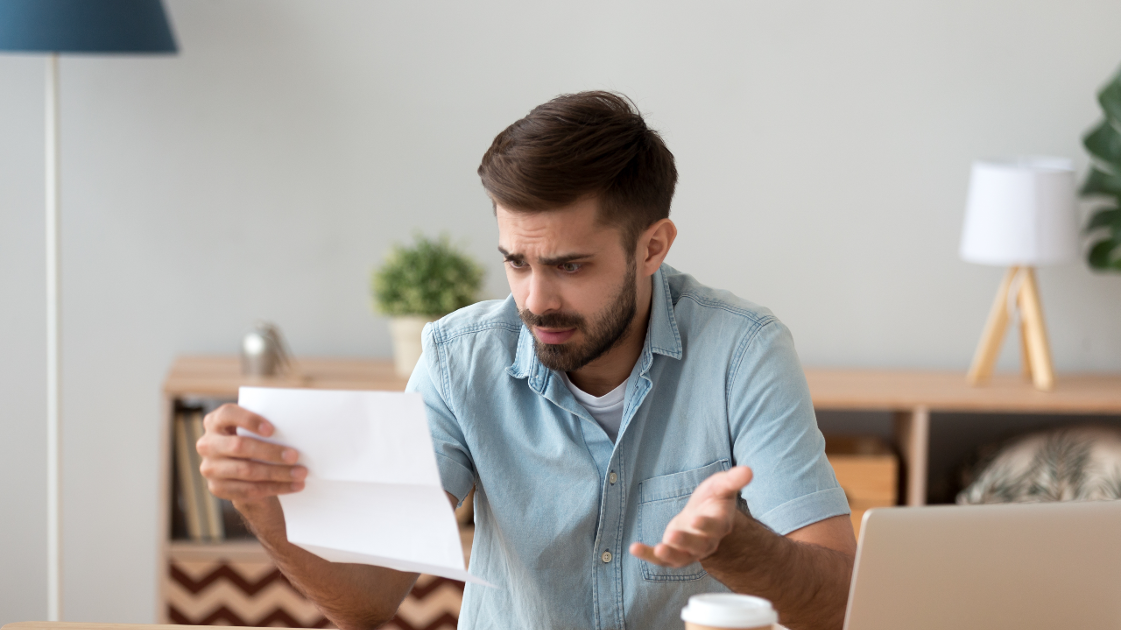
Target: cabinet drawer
x=867 y=470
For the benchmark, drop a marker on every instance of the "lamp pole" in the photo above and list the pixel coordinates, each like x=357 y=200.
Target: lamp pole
x=53 y=27
x=54 y=352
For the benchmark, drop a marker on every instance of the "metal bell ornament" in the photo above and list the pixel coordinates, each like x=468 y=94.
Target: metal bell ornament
x=264 y=352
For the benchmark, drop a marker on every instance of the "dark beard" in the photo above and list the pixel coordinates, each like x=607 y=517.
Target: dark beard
x=601 y=336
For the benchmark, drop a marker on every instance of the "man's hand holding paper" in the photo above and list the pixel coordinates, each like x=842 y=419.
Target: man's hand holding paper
x=372 y=492
x=242 y=468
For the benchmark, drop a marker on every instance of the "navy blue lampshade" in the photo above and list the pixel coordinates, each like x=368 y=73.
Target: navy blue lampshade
x=85 y=26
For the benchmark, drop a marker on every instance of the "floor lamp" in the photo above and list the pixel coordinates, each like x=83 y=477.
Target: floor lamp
x=85 y=27
x=1020 y=214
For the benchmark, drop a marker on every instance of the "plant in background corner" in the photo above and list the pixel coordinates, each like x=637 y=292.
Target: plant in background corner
x=419 y=284
x=430 y=278
x=1104 y=182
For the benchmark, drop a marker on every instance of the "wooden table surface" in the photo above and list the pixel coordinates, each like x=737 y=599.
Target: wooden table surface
x=80 y=626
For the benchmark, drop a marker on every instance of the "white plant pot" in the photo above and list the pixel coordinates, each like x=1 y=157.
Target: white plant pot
x=406 y=331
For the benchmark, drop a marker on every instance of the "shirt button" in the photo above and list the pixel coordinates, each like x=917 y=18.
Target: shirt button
x=606 y=557
x=613 y=477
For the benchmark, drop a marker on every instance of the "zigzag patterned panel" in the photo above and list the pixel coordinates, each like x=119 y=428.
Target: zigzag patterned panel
x=256 y=594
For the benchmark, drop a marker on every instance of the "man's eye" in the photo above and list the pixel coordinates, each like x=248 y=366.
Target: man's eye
x=516 y=264
x=570 y=267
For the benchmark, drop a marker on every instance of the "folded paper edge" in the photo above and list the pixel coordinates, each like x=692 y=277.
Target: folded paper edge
x=343 y=555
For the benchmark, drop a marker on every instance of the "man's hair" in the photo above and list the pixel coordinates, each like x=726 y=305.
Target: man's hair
x=583 y=145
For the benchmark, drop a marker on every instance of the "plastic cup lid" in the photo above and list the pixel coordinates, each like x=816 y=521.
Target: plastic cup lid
x=729 y=610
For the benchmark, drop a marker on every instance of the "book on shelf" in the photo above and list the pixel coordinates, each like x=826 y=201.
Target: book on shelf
x=197 y=514
x=212 y=511
x=188 y=488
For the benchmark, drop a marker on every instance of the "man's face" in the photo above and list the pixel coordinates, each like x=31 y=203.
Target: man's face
x=573 y=283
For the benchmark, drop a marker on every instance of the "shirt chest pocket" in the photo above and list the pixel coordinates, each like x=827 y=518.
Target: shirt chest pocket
x=659 y=500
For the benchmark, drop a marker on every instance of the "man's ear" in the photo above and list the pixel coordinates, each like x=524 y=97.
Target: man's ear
x=653 y=245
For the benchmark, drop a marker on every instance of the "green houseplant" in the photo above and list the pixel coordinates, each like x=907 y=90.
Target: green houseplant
x=1104 y=181
x=419 y=284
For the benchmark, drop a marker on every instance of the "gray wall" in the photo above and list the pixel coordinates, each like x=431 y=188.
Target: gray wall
x=823 y=148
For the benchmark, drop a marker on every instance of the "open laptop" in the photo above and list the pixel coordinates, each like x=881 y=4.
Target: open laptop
x=1026 y=566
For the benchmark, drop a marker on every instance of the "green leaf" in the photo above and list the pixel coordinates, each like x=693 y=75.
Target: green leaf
x=1110 y=99
x=1100 y=255
x=1100 y=182
x=1105 y=217
x=1104 y=143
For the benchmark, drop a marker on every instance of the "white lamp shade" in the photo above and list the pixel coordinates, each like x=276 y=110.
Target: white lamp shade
x=1021 y=211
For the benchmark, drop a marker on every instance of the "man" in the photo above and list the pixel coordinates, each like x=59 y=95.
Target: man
x=610 y=405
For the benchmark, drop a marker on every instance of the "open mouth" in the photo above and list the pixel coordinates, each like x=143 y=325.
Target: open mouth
x=553 y=336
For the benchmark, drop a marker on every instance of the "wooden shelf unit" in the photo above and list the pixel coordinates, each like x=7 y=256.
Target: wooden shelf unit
x=911 y=396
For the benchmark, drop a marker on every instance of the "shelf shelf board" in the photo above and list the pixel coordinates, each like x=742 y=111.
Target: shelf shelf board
x=231 y=550
x=903 y=390
x=220 y=376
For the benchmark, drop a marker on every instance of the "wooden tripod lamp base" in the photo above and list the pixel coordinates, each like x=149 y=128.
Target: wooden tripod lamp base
x=1019 y=285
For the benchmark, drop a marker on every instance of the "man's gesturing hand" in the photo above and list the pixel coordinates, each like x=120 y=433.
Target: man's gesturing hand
x=242 y=468
x=696 y=532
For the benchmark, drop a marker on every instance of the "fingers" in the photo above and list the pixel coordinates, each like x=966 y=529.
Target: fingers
x=227 y=418
x=245 y=447
x=708 y=517
x=249 y=491
x=662 y=555
x=697 y=526
x=234 y=479
x=644 y=552
x=681 y=546
x=673 y=557
x=739 y=477
x=239 y=467
x=725 y=485
x=688 y=539
x=244 y=470
x=695 y=546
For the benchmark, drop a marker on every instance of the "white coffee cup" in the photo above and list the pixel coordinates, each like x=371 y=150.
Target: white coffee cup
x=712 y=611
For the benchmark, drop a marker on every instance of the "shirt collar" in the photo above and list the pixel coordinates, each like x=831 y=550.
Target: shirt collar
x=662 y=337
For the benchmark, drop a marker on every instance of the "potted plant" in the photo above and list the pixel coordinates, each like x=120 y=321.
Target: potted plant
x=420 y=284
x=1104 y=182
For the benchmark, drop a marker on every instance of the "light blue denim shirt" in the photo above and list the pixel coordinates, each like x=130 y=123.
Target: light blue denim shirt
x=557 y=504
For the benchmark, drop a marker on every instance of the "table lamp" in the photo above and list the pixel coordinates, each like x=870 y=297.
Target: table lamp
x=1020 y=214
x=87 y=27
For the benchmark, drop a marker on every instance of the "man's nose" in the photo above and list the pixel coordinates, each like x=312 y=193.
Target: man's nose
x=542 y=297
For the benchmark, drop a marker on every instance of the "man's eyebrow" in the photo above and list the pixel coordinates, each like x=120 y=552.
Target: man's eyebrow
x=548 y=261
x=565 y=258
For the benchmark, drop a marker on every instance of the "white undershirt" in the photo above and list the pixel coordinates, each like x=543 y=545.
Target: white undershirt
x=606 y=409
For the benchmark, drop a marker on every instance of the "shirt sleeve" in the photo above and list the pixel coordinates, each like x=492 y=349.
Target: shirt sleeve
x=453 y=458
x=775 y=432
